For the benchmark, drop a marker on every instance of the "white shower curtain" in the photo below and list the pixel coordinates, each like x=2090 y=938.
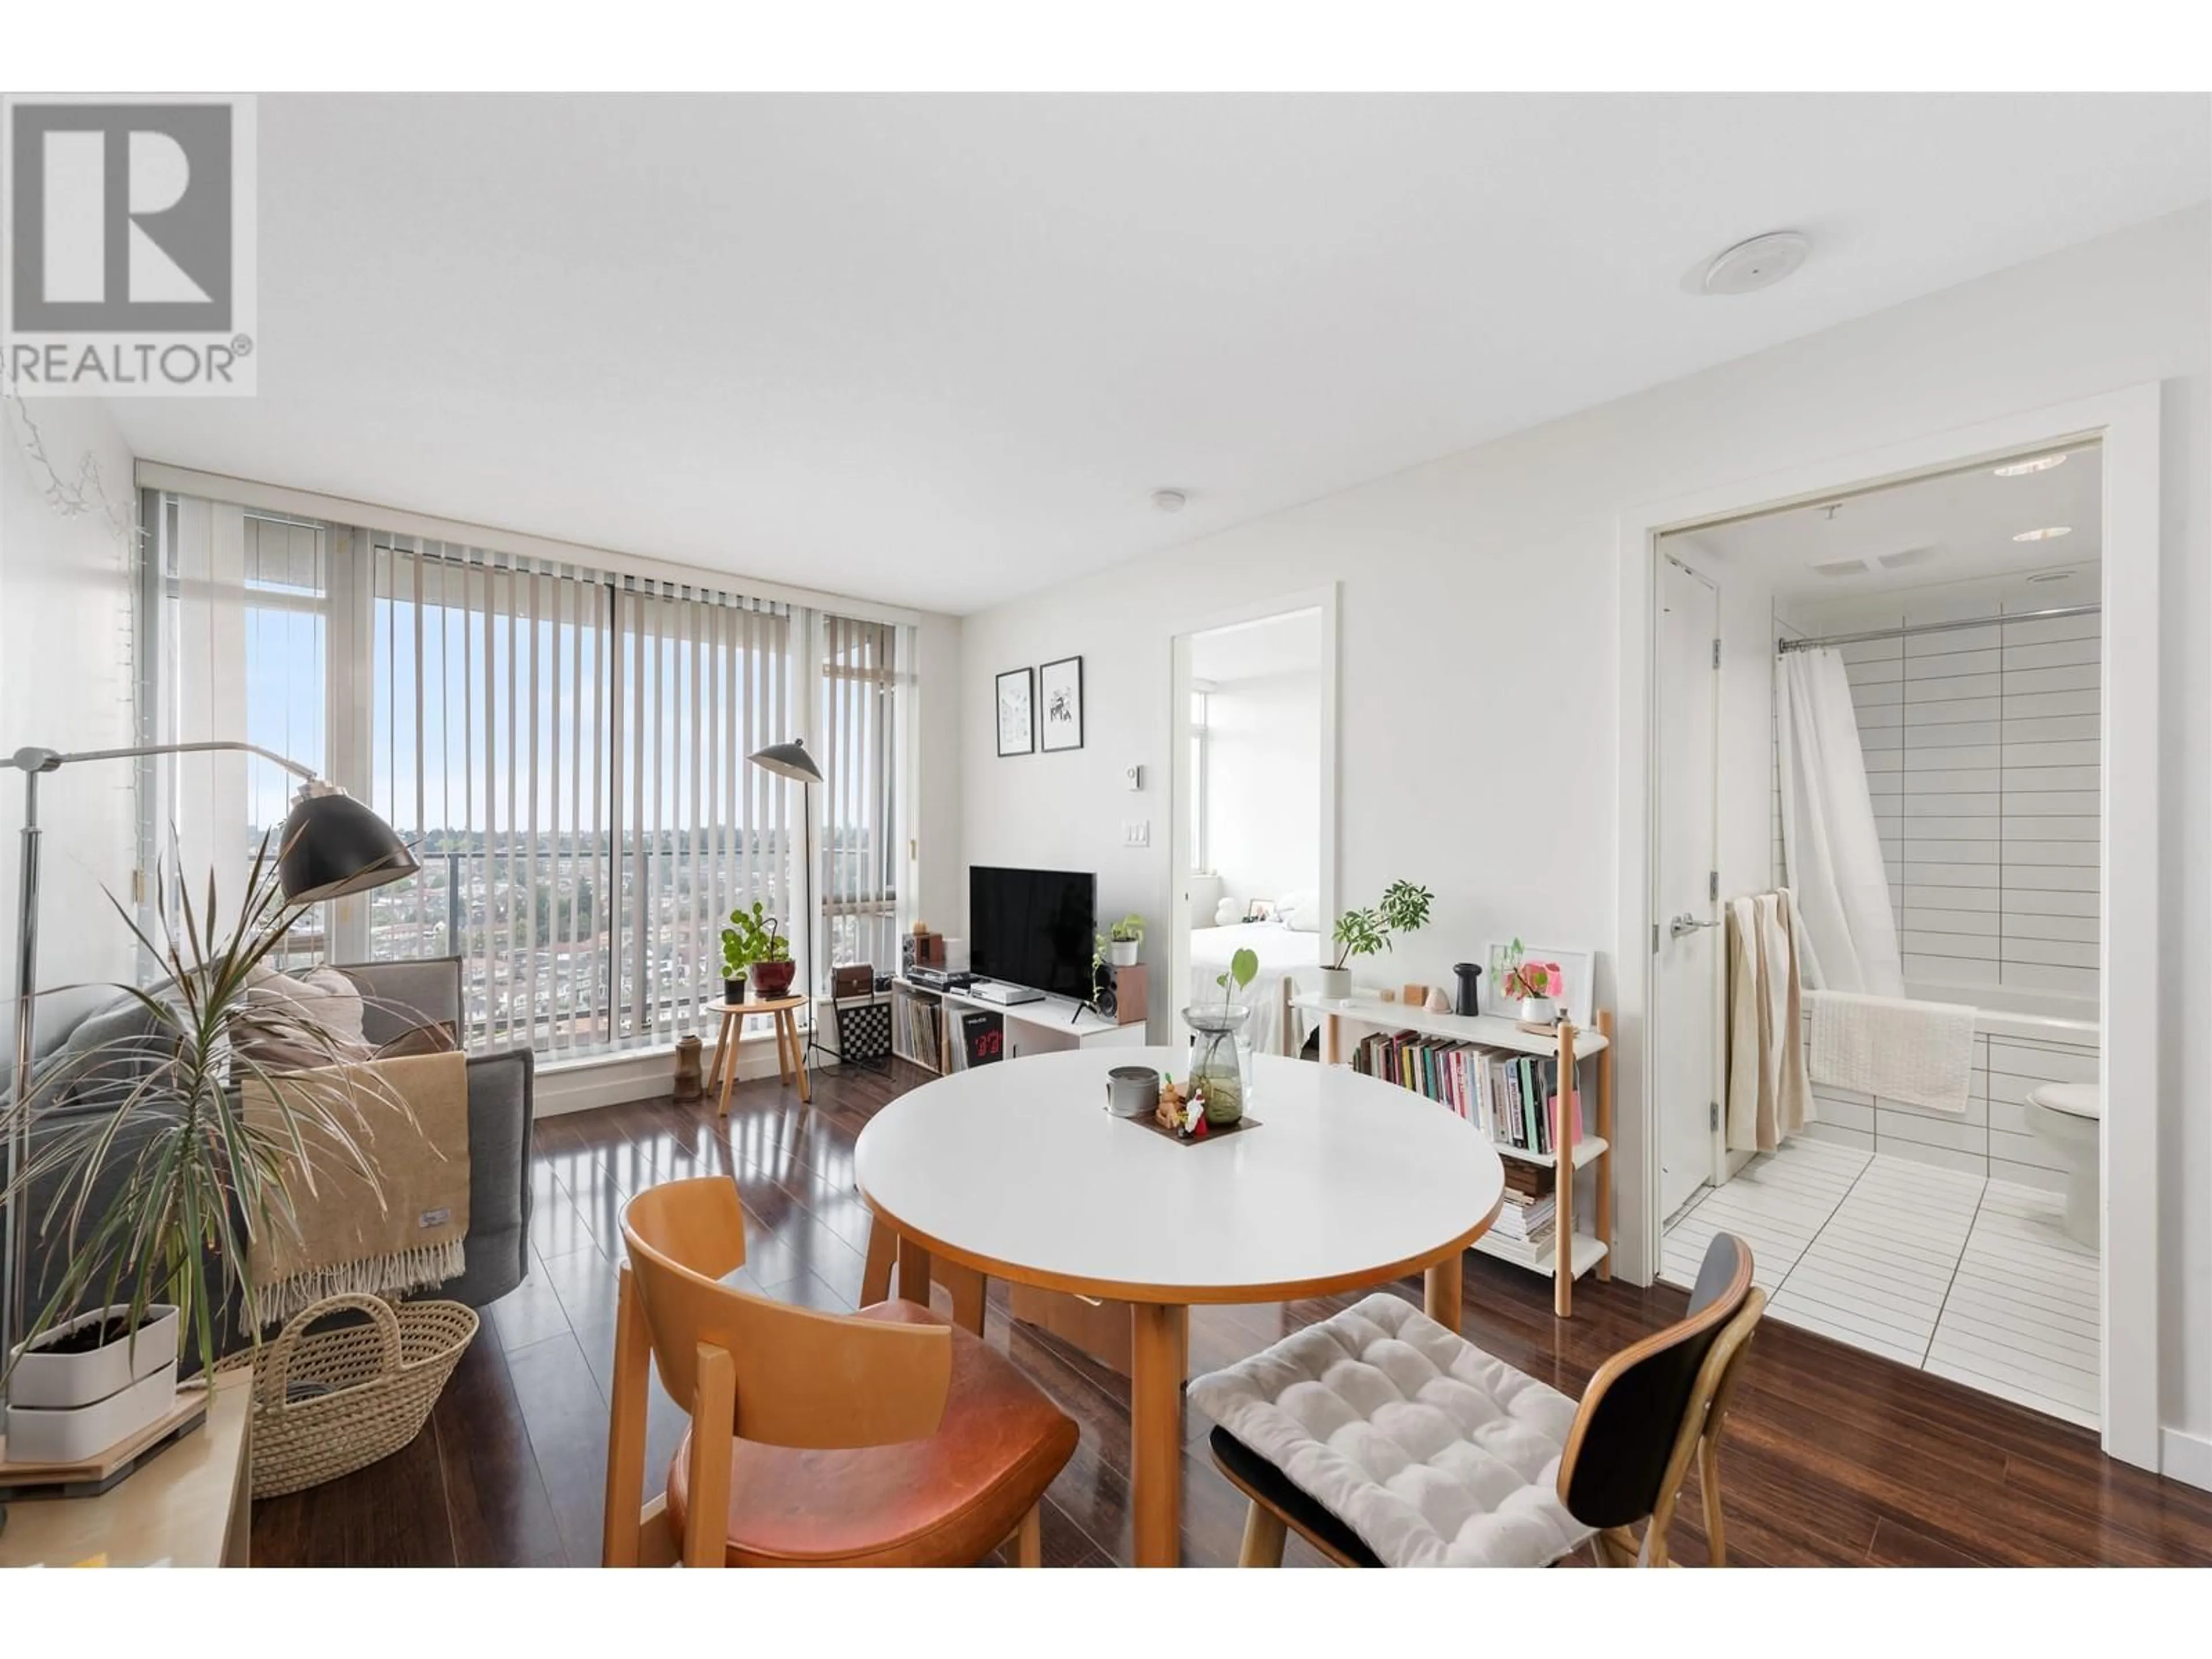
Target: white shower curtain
x=1849 y=934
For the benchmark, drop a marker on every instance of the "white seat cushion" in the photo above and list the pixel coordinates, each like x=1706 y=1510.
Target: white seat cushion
x=1435 y=1453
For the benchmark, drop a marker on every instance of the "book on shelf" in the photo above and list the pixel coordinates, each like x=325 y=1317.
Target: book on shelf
x=1512 y=1098
x=1536 y=1249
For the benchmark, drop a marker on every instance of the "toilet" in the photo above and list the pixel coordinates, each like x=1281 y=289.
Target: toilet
x=2068 y=1116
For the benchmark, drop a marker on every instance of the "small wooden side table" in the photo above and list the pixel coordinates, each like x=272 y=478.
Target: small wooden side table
x=189 y=1507
x=790 y=1049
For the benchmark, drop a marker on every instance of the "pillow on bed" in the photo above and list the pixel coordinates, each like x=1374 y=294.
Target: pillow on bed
x=1228 y=914
x=1299 y=910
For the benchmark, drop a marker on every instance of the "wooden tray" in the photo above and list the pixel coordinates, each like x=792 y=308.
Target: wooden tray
x=1148 y=1121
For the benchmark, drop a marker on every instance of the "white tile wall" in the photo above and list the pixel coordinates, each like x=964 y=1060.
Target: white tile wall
x=1983 y=758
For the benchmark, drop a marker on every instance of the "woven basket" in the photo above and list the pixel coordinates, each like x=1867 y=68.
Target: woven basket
x=329 y=1403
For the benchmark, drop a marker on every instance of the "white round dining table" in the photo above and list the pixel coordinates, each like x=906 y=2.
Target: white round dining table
x=1017 y=1171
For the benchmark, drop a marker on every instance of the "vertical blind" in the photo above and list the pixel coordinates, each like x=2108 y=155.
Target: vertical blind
x=566 y=748
x=567 y=752
x=861 y=854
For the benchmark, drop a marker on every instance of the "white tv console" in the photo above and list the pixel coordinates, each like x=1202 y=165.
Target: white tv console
x=1047 y=1025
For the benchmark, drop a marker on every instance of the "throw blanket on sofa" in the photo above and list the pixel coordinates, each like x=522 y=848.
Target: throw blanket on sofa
x=404 y=1232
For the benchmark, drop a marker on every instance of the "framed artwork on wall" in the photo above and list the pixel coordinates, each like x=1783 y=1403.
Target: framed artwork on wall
x=1017 y=703
x=1060 y=697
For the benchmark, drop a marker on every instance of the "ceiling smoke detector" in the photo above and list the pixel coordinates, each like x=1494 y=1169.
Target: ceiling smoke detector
x=1759 y=263
x=1169 y=501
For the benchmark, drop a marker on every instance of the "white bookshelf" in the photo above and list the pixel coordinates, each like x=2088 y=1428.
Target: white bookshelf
x=1575 y=1253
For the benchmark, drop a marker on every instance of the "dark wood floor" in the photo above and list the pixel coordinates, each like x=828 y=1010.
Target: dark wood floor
x=1832 y=1457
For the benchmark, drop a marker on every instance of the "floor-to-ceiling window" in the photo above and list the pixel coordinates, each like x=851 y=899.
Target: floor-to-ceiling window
x=565 y=748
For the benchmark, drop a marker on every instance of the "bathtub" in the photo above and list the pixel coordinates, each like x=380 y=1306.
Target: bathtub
x=2021 y=1038
x=2007 y=1011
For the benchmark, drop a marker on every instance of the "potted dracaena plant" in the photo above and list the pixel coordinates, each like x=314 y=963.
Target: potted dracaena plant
x=148 y=1179
x=1404 y=909
x=754 y=942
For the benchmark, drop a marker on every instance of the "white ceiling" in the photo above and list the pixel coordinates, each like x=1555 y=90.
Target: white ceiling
x=1957 y=527
x=940 y=350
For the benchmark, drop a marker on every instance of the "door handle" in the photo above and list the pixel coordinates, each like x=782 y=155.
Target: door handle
x=1687 y=923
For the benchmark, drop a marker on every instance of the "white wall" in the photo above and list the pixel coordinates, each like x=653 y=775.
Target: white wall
x=1479 y=622
x=1263 y=788
x=65 y=683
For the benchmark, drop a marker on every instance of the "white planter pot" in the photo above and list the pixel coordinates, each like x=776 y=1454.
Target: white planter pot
x=82 y=1433
x=1539 y=1010
x=1336 y=983
x=62 y=1382
x=1123 y=953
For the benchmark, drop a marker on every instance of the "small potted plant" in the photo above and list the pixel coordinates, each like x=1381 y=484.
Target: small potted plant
x=1404 y=909
x=1531 y=983
x=1122 y=939
x=752 y=941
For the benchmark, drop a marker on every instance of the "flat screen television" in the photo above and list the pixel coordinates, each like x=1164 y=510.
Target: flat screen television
x=1032 y=928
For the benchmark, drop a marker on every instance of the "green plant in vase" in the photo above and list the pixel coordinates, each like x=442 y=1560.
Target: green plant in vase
x=749 y=943
x=1216 y=1065
x=1404 y=909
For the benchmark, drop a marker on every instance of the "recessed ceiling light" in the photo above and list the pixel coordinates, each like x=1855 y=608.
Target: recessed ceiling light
x=1169 y=501
x=2052 y=576
x=2022 y=469
x=2048 y=534
x=1759 y=263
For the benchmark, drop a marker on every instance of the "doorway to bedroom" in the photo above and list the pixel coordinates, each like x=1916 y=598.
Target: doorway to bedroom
x=1254 y=791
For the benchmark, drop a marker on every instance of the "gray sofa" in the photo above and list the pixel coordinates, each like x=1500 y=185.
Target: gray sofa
x=400 y=997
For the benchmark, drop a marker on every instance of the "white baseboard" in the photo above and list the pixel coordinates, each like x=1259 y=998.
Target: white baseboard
x=585 y=1085
x=2185 y=1457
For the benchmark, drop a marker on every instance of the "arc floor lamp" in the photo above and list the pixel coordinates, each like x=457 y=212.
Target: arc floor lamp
x=331 y=847
x=790 y=760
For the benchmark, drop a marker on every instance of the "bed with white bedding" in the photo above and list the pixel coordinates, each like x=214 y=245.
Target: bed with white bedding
x=1284 y=952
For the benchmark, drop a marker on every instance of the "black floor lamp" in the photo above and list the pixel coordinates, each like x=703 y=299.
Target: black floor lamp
x=331 y=847
x=791 y=760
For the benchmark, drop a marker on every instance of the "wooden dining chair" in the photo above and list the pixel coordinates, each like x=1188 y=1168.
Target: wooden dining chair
x=1649 y=1410
x=878 y=1439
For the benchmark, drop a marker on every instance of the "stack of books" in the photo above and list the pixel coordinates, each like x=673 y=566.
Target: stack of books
x=1525 y=1228
x=1512 y=1097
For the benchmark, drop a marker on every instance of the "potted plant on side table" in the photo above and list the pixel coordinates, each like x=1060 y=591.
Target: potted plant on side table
x=1123 y=939
x=149 y=1182
x=753 y=942
x=1404 y=909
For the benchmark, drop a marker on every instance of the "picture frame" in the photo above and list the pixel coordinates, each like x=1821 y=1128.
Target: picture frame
x=1573 y=979
x=1059 y=705
x=1015 y=704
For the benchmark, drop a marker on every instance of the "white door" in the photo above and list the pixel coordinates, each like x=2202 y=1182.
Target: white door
x=1685 y=978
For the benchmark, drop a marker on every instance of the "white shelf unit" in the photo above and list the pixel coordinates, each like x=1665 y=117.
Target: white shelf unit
x=1042 y=1026
x=1575 y=1253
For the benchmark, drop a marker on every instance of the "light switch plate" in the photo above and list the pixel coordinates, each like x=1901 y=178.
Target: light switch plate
x=1136 y=832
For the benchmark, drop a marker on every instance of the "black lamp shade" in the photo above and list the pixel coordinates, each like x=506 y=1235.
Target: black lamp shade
x=789 y=760
x=334 y=846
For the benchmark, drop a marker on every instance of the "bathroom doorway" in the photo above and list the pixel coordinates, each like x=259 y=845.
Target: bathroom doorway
x=1956 y=735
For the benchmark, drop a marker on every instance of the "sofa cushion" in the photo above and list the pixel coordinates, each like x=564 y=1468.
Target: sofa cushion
x=1435 y=1453
x=293 y=1023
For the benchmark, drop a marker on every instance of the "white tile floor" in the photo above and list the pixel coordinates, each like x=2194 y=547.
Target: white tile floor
x=1969 y=1279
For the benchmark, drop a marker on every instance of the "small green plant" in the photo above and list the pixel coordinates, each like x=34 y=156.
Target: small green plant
x=1130 y=930
x=1404 y=909
x=751 y=936
x=1243 y=968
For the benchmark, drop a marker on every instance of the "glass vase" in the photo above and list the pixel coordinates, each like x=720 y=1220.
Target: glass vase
x=1218 y=1065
